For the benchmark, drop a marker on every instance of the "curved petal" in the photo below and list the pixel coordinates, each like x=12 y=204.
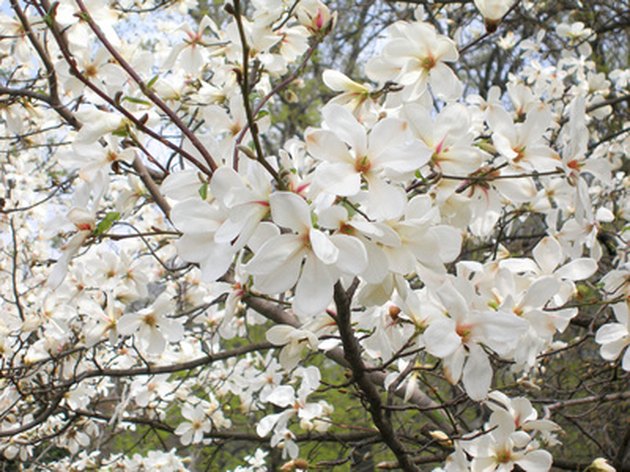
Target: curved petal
x=290 y=211
x=578 y=269
x=314 y=290
x=345 y=125
x=477 y=373
x=323 y=247
x=441 y=339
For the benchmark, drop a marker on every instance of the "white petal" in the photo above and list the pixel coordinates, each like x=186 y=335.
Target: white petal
x=323 y=247
x=282 y=396
x=385 y=201
x=386 y=132
x=536 y=461
x=280 y=335
x=578 y=269
x=314 y=290
x=540 y=292
x=290 y=211
x=444 y=82
x=196 y=216
x=345 y=125
x=440 y=338
x=477 y=373
x=548 y=254
x=274 y=253
x=326 y=146
x=352 y=254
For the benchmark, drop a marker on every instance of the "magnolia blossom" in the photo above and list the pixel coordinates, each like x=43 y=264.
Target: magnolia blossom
x=277 y=265
x=415 y=55
x=192 y=431
x=152 y=325
x=370 y=159
x=493 y=10
x=614 y=337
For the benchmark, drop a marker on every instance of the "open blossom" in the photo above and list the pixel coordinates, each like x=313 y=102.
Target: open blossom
x=415 y=56
x=458 y=338
x=198 y=423
x=152 y=325
x=277 y=265
x=352 y=158
x=615 y=337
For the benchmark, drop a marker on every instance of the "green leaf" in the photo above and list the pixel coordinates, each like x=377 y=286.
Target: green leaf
x=203 y=191
x=137 y=101
x=152 y=82
x=106 y=223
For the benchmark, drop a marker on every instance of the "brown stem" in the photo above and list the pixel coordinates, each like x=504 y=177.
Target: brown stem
x=352 y=352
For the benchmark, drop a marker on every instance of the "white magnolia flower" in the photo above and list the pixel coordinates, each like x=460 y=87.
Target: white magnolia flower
x=306 y=256
x=152 y=325
x=198 y=423
x=615 y=337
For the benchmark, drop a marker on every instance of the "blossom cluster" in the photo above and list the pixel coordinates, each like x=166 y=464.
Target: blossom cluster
x=183 y=271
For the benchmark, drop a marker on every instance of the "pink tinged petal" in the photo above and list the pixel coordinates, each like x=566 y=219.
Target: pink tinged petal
x=441 y=339
x=352 y=254
x=326 y=146
x=578 y=269
x=282 y=396
x=477 y=373
x=536 y=461
x=290 y=211
x=339 y=179
x=314 y=290
x=386 y=202
x=444 y=82
x=194 y=216
x=548 y=254
x=540 y=292
x=343 y=123
x=323 y=247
